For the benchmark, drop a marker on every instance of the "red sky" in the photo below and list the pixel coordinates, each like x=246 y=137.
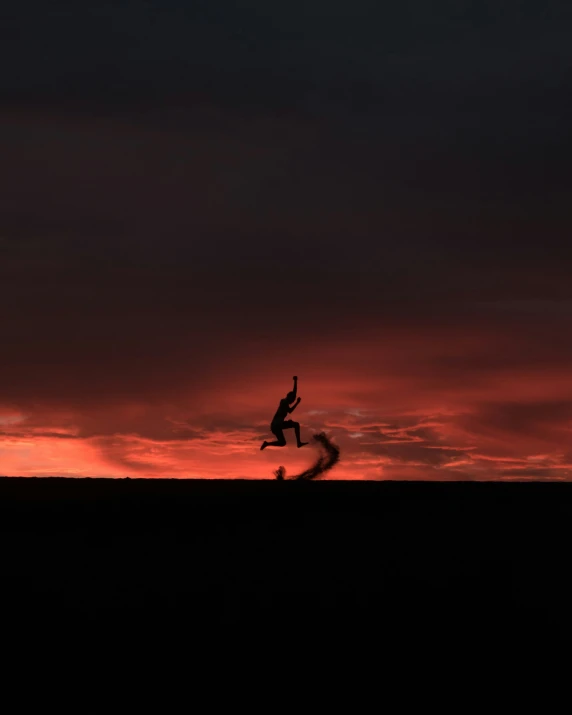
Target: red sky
x=488 y=400
x=199 y=202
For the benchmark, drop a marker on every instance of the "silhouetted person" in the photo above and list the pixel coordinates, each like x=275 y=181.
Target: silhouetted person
x=279 y=423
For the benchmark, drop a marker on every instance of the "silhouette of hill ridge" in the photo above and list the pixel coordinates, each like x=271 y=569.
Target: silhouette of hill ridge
x=349 y=551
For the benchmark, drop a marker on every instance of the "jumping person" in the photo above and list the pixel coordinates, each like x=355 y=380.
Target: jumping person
x=280 y=423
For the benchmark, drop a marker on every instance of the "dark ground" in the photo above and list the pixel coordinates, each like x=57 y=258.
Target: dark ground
x=420 y=562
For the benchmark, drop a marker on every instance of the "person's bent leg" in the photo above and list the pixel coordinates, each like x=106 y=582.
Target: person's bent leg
x=296 y=426
x=276 y=443
x=279 y=442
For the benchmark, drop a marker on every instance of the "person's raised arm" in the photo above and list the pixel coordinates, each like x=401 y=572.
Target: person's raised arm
x=291 y=409
x=295 y=390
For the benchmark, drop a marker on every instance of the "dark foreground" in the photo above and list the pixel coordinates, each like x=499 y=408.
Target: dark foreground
x=406 y=560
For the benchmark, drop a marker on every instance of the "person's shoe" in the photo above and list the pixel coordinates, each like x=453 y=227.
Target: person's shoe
x=302 y=444
x=264 y=445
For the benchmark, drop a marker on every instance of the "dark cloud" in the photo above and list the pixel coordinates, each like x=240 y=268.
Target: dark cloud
x=261 y=51
x=533 y=474
x=37 y=434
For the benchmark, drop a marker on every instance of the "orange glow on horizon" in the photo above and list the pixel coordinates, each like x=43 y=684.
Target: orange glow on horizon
x=392 y=409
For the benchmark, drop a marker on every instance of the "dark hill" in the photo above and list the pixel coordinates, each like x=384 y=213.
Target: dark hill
x=379 y=556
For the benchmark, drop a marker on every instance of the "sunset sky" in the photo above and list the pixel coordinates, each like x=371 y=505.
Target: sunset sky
x=201 y=199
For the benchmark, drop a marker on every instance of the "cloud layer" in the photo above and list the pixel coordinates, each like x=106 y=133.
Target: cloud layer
x=464 y=397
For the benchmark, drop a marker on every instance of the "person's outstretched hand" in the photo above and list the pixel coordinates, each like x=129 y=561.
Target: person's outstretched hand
x=295 y=377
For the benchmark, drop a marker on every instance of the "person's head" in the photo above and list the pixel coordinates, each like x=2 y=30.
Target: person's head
x=290 y=397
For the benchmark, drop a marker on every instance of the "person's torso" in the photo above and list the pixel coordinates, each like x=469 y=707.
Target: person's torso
x=281 y=412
